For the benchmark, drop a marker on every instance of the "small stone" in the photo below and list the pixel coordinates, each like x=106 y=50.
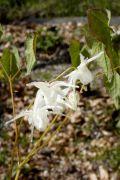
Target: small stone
x=93 y=176
x=103 y=173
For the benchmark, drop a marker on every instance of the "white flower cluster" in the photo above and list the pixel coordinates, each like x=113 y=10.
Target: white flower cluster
x=53 y=98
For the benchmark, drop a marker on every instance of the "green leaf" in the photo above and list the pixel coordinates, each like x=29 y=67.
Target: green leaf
x=113 y=88
x=85 y=51
x=9 y=64
x=30 y=53
x=16 y=54
x=98 y=23
x=111 y=78
x=74 y=51
x=88 y=37
x=1 y=74
x=103 y=60
x=99 y=27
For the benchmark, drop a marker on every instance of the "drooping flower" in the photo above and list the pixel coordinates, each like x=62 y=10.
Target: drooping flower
x=37 y=116
x=53 y=94
x=71 y=100
x=50 y=99
x=82 y=72
x=38 y=119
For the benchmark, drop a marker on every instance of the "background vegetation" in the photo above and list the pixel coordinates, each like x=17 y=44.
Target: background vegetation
x=12 y=9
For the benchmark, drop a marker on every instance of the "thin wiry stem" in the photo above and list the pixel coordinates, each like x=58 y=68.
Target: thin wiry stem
x=38 y=142
x=16 y=74
x=62 y=74
x=16 y=131
x=17 y=174
x=38 y=146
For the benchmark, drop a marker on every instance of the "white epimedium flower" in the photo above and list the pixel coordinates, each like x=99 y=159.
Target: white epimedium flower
x=53 y=94
x=38 y=115
x=38 y=119
x=50 y=99
x=72 y=100
x=82 y=72
x=56 y=85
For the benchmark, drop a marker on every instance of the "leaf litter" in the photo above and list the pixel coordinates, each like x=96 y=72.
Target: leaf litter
x=88 y=145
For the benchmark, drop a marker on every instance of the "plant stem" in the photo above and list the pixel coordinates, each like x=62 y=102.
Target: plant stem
x=38 y=147
x=16 y=131
x=17 y=174
x=62 y=74
x=38 y=143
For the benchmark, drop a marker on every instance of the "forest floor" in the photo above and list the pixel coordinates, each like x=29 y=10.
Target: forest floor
x=88 y=145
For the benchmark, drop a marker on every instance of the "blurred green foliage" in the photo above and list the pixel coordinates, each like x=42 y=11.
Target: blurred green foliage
x=15 y=9
x=74 y=51
x=77 y=7
x=110 y=157
x=48 y=38
x=19 y=9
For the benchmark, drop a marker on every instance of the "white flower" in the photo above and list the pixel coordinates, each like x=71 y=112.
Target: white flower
x=49 y=100
x=82 y=72
x=73 y=100
x=52 y=94
x=38 y=119
x=38 y=115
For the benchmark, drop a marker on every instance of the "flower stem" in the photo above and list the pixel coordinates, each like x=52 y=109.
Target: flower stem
x=38 y=143
x=62 y=74
x=17 y=174
x=16 y=131
x=38 y=146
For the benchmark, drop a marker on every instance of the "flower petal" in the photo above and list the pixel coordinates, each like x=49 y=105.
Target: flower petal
x=85 y=75
x=38 y=84
x=22 y=114
x=95 y=57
